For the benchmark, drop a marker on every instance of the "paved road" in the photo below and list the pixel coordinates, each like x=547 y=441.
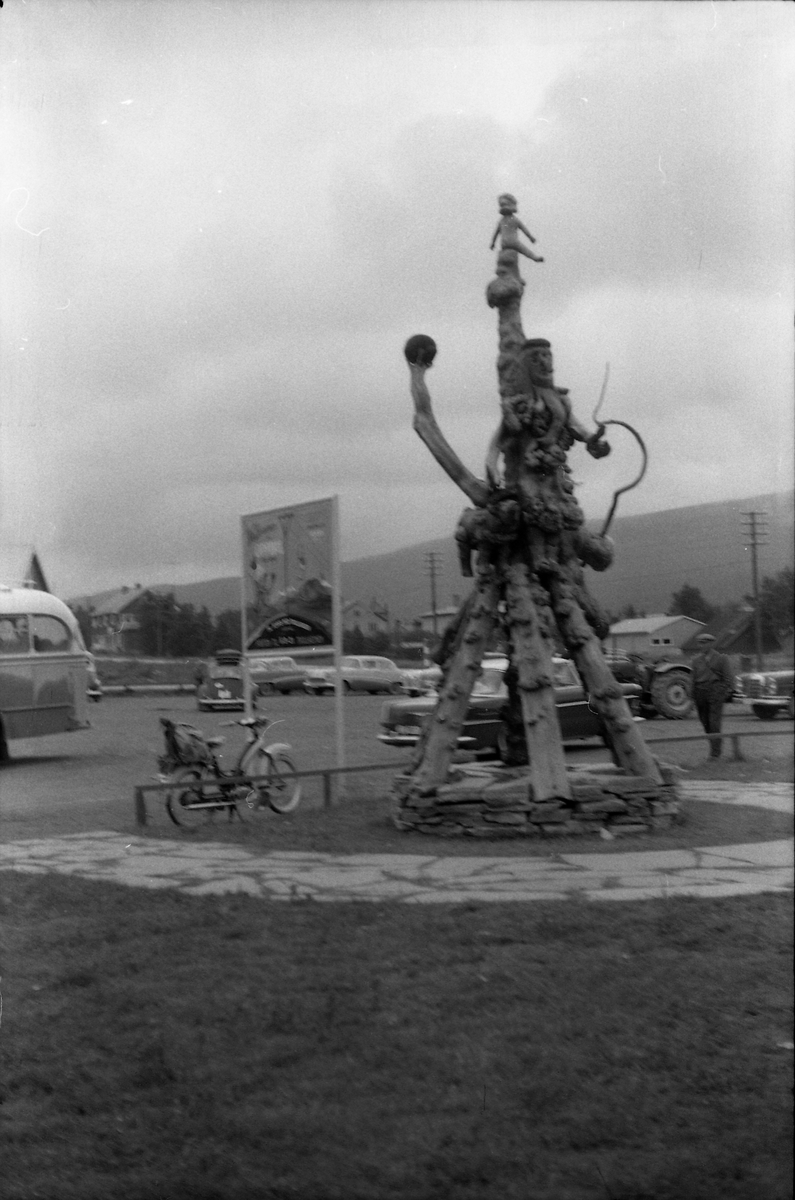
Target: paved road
x=210 y=869
x=84 y=781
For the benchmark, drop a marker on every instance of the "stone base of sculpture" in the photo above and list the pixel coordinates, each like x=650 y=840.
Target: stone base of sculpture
x=487 y=800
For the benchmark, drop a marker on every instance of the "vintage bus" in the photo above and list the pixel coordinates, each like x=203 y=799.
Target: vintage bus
x=44 y=667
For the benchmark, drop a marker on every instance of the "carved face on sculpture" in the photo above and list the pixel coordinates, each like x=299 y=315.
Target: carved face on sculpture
x=539 y=365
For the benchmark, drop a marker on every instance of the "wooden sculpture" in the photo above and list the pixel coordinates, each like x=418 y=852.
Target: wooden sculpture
x=525 y=543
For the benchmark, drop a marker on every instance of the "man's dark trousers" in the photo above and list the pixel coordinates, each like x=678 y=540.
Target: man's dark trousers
x=710 y=714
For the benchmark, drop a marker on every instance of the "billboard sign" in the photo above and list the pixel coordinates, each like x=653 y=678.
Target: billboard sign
x=288 y=577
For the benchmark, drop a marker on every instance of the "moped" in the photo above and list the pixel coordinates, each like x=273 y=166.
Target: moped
x=204 y=789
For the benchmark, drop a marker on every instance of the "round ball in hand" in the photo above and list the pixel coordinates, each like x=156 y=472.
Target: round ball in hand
x=420 y=350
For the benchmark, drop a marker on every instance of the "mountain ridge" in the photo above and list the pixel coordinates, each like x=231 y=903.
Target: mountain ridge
x=656 y=553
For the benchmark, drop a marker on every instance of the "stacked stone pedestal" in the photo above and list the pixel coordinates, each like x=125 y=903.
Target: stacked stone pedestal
x=493 y=801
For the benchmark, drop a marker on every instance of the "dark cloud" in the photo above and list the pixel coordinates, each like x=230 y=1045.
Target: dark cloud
x=656 y=168
x=247 y=216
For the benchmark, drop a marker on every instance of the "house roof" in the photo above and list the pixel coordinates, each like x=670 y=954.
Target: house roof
x=652 y=624
x=20 y=567
x=440 y=612
x=734 y=632
x=119 y=601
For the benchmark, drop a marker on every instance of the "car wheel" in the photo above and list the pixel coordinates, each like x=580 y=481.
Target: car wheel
x=764 y=713
x=395 y=689
x=266 y=689
x=346 y=687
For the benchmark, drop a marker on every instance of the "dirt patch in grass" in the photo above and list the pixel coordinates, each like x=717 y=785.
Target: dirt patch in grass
x=160 y=1045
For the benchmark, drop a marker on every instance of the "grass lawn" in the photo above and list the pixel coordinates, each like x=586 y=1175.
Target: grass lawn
x=156 y=1045
x=361 y=823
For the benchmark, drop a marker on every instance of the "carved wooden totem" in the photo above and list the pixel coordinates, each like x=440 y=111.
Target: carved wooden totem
x=527 y=536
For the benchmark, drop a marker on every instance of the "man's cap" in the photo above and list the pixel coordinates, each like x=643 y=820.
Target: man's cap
x=705 y=637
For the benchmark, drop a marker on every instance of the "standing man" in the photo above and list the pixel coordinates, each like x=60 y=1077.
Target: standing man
x=713 y=683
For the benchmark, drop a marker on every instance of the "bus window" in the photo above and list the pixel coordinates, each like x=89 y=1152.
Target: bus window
x=14 y=634
x=50 y=634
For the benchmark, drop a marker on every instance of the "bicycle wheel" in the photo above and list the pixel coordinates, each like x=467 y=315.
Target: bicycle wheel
x=189 y=807
x=277 y=791
x=284 y=793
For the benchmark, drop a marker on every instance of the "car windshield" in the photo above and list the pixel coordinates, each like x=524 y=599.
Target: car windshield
x=565 y=674
x=224 y=673
x=489 y=682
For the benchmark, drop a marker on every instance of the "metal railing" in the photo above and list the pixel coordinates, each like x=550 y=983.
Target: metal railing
x=733 y=737
x=327 y=773
x=216 y=781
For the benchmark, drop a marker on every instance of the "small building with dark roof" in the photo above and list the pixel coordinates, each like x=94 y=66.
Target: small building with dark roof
x=115 y=627
x=20 y=566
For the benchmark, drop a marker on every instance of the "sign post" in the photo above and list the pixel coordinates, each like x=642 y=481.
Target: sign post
x=291 y=599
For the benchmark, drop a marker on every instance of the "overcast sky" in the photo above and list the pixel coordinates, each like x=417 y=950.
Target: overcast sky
x=221 y=220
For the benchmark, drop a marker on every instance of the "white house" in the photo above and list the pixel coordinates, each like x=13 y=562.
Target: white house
x=638 y=634
x=115 y=628
x=437 y=622
x=371 y=619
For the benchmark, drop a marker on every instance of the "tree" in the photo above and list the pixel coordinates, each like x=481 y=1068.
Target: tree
x=157 y=616
x=228 y=634
x=776 y=604
x=353 y=641
x=83 y=617
x=688 y=602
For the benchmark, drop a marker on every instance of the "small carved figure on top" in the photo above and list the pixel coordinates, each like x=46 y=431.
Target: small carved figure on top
x=508 y=229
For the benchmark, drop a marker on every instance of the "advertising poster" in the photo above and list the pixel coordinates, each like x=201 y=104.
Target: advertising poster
x=288 y=577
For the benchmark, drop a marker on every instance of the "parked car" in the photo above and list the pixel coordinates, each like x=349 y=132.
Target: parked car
x=483 y=732
x=269 y=675
x=767 y=693
x=222 y=686
x=418 y=681
x=359 y=674
x=664 y=676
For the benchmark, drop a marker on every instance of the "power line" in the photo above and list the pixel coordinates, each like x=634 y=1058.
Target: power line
x=432 y=560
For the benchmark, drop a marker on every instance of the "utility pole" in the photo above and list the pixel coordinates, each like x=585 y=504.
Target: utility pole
x=756 y=530
x=432 y=560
